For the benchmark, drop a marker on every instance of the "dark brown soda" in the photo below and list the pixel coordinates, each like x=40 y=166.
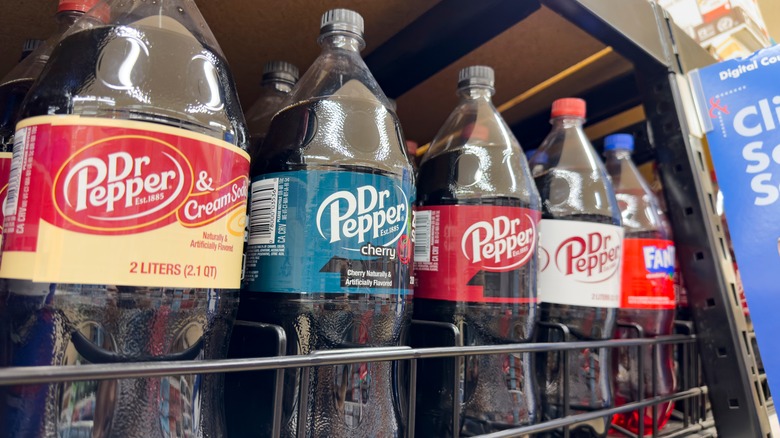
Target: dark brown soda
x=498 y=391
x=11 y=97
x=589 y=371
x=69 y=324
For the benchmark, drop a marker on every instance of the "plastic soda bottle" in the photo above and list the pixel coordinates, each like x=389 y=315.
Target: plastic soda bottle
x=476 y=265
x=647 y=304
x=124 y=224
x=329 y=255
x=278 y=80
x=579 y=266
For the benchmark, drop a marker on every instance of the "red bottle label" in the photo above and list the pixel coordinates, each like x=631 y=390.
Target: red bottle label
x=102 y=201
x=648 y=274
x=5 y=172
x=459 y=248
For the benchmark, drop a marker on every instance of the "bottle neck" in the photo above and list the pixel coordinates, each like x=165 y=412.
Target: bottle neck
x=341 y=40
x=278 y=85
x=476 y=93
x=65 y=20
x=567 y=122
x=619 y=154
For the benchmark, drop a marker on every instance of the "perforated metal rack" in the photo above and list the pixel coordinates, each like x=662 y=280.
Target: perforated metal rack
x=661 y=55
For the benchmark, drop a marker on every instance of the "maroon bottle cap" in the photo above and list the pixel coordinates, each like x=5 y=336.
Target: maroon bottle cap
x=569 y=106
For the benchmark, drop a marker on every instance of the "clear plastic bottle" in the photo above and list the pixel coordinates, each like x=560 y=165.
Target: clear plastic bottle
x=580 y=253
x=17 y=82
x=648 y=292
x=475 y=194
x=278 y=79
x=329 y=250
x=124 y=224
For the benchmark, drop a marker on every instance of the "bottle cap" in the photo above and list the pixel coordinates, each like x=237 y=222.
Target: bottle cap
x=280 y=71
x=30 y=45
x=103 y=13
x=341 y=20
x=615 y=142
x=477 y=75
x=76 y=5
x=569 y=106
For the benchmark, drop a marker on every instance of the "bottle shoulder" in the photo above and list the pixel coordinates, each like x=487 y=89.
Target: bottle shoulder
x=572 y=179
x=335 y=132
x=173 y=79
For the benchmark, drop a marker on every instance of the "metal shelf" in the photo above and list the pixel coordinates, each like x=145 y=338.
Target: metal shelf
x=693 y=421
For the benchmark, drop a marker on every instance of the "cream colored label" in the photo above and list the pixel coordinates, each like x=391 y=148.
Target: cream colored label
x=131 y=203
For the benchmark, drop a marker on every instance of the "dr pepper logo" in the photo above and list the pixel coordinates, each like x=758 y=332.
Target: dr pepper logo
x=135 y=183
x=500 y=244
x=592 y=258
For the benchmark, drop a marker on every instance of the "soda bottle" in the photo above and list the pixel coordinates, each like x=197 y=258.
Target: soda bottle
x=278 y=79
x=476 y=265
x=648 y=292
x=124 y=224
x=579 y=266
x=17 y=82
x=15 y=85
x=329 y=249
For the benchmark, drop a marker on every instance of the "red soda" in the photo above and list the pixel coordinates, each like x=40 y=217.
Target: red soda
x=648 y=291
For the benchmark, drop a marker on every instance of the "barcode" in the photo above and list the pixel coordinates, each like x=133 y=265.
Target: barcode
x=262 y=212
x=15 y=179
x=422 y=236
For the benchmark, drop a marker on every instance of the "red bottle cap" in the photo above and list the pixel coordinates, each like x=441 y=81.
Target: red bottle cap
x=103 y=13
x=76 y=5
x=569 y=106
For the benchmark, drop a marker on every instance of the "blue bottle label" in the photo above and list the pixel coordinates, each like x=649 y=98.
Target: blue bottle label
x=330 y=232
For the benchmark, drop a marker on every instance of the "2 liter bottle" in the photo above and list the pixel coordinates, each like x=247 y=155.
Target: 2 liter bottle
x=476 y=268
x=329 y=248
x=579 y=267
x=647 y=305
x=124 y=224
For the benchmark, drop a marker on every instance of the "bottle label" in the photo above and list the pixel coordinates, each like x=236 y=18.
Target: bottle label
x=330 y=232
x=471 y=253
x=104 y=201
x=6 y=159
x=648 y=274
x=579 y=263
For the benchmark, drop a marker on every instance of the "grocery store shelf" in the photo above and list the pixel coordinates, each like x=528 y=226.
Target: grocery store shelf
x=441 y=36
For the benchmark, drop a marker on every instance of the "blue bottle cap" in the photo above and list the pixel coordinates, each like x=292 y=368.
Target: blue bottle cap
x=619 y=141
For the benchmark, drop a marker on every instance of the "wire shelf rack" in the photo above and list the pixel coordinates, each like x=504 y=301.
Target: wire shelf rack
x=690 y=417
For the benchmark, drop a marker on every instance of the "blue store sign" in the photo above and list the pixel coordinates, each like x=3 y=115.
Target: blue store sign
x=740 y=106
